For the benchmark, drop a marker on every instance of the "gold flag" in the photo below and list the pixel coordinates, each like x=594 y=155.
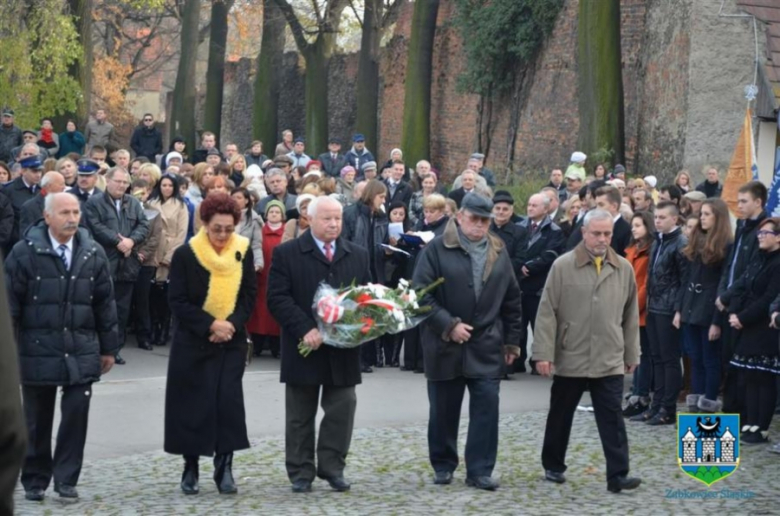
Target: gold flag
x=741 y=167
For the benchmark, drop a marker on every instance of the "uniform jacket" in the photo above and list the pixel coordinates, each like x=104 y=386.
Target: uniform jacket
x=668 y=267
x=64 y=319
x=297 y=268
x=538 y=251
x=331 y=166
x=369 y=231
x=31 y=212
x=18 y=193
x=203 y=391
x=106 y=225
x=495 y=315
x=588 y=323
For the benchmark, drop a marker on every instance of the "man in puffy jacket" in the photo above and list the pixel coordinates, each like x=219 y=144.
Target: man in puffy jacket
x=62 y=305
x=117 y=222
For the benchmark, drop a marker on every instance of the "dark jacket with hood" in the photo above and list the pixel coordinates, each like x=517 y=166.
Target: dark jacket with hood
x=370 y=231
x=147 y=141
x=64 y=319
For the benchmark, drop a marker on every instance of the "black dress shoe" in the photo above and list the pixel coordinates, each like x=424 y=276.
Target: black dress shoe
x=366 y=369
x=189 y=479
x=623 y=483
x=419 y=371
x=486 y=483
x=66 y=491
x=338 y=484
x=554 y=476
x=34 y=495
x=407 y=368
x=118 y=360
x=223 y=473
x=301 y=486
x=442 y=478
x=146 y=346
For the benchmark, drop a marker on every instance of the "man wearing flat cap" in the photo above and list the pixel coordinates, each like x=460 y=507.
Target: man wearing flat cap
x=22 y=189
x=695 y=200
x=358 y=154
x=10 y=135
x=473 y=330
x=333 y=160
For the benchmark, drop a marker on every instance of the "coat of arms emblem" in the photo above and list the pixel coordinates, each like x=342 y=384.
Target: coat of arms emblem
x=707 y=447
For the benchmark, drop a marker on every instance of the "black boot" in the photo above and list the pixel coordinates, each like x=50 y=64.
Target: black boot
x=380 y=360
x=223 y=473
x=189 y=479
x=165 y=331
x=395 y=360
x=156 y=331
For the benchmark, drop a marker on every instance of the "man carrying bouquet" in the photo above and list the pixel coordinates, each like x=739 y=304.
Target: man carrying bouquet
x=297 y=269
x=474 y=328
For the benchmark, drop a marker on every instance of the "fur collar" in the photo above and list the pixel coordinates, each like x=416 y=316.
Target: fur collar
x=225 y=271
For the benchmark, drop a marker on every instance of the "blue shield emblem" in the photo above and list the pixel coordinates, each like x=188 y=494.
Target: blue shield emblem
x=708 y=445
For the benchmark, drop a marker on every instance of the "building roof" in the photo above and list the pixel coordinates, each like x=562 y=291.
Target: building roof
x=689 y=435
x=767 y=12
x=727 y=435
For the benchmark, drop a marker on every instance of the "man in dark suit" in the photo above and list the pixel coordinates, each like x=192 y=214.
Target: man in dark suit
x=468 y=181
x=608 y=198
x=333 y=160
x=23 y=188
x=542 y=245
x=398 y=190
x=297 y=269
x=32 y=211
x=588 y=198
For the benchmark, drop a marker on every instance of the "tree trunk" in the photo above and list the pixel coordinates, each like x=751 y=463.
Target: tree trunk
x=81 y=69
x=368 y=75
x=183 y=111
x=265 y=125
x=316 y=87
x=215 y=74
x=415 y=141
x=600 y=78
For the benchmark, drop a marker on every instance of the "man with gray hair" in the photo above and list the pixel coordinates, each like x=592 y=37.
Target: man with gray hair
x=61 y=301
x=328 y=375
x=581 y=342
x=276 y=180
x=32 y=210
x=118 y=223
x=477 y=160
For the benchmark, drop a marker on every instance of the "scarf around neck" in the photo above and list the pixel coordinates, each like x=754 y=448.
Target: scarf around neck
x=225 y=271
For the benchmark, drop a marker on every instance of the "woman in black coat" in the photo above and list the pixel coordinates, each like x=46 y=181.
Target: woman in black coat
x=708 y=246
x=211 y=294
x=756 y=354
x=365 y=224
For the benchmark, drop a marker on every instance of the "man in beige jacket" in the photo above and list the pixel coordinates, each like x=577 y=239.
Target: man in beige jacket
x=587 y=335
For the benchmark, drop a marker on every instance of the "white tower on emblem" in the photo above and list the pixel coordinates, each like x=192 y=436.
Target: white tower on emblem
x=727 y=446
x=689 y=446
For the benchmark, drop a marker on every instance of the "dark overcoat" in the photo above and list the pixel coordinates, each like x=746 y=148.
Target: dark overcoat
x=495 y=315
x=297 y=268
x=64 y=319
x=204 y=397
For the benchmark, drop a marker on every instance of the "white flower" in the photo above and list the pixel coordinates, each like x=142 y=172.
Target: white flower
x=403 y=284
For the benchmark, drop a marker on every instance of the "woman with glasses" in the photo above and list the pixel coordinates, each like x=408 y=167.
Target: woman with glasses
x=211 y=294
x=756 y=356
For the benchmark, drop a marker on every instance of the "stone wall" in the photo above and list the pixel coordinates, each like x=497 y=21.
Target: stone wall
x=684 y=69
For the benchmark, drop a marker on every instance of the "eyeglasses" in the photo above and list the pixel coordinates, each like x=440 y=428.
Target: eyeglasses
x=147 y=119
x=766 y=233
x=222 y=230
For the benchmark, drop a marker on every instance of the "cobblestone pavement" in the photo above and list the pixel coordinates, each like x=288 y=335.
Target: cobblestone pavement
x=390 y=474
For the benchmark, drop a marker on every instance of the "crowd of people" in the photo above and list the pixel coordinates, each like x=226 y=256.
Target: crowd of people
x=220 y=252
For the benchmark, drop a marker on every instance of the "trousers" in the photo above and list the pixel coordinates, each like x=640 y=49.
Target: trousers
x=335 y=437
x=666 y=353
x=446 y=398
x=606 y=394
x=123 y=293
x=65 y=465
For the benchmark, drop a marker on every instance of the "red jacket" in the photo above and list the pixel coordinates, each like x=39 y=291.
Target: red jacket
x=640 y=261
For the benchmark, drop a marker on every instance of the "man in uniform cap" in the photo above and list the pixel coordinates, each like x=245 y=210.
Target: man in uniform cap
x=472 y=331
x=22 y=189
x=85 y=183
x=333 y=160
x=358 y=154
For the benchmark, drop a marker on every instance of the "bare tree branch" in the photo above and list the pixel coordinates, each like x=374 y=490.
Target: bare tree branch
x=295 y=25
x=354 y=10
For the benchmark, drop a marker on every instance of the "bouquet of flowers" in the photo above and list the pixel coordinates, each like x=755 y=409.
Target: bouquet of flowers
x=350 y=316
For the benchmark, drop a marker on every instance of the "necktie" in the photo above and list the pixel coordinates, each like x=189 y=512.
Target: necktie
x=534 y=225
x=63 y=256
x=328 y=252
x=597 y=260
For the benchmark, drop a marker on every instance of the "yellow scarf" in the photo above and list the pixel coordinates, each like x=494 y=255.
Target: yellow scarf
x=225 y=272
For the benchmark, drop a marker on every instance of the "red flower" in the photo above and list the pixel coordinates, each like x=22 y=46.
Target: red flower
x=368 y=323
x=362 y=298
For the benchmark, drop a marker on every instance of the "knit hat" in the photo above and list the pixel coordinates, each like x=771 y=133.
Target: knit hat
x=277 y=204
x=368 y=165
x=314 y=163
x=346 y=170
x=399 y=151
x=578 y=157
x=651 y=181
x=253 y=171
